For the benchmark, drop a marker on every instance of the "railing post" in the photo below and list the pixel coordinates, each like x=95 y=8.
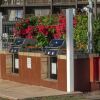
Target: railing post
x=76 y=4
x=24 y=10
x=51 y=6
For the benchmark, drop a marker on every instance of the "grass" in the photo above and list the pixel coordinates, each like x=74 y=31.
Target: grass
x=3 y=98
x=62 y=97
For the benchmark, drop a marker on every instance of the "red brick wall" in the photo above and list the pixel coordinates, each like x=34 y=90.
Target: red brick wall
x=62 y=82
x=82 y=74
x=2 y=65
x=33 y=76
x=95 y=72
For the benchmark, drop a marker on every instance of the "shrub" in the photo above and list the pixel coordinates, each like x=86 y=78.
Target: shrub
x=80 y=33
x=96 y=28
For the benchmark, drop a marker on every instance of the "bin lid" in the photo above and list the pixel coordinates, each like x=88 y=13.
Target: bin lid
x=54 y=47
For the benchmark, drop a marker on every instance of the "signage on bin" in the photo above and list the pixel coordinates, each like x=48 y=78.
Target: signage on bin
x=16 y=63
x=29 y=63
x=54 y=68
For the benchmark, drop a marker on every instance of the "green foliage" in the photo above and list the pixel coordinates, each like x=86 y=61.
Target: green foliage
x=24 y=25
x=81 y=37
x=96 y=28
x=80 y=33
x=42 y=40
x=48 y=20
x=34 y=21
x=45 y=34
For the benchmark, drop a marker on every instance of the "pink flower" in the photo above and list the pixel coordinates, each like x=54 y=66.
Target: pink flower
x=57 y=36
x=74 y=22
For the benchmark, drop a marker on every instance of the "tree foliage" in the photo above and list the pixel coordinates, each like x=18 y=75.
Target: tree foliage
x=80 y=33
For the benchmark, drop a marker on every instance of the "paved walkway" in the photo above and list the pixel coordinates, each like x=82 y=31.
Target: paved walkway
x=93 y=95
x=18 y=91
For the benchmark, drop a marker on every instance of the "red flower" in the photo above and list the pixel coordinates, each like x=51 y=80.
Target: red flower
x=74 y=22
x=30 y=29
x=26 y=29
x=62 y=19
x=57 y=36
x=42 y=29
x=23 y=32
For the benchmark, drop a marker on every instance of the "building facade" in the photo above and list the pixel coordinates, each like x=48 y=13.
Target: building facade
x=13 y=9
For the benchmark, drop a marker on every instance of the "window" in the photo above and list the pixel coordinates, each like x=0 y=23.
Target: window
x=42 y=12
x=15 y=14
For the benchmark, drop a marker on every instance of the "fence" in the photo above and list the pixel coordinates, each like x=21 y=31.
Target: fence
x=32 y=2
x=7 y=35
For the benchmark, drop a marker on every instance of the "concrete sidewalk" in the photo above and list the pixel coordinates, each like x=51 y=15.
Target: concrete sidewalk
x=18 y=91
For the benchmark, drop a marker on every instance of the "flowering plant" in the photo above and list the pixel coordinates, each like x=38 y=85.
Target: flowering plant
x=42 y=28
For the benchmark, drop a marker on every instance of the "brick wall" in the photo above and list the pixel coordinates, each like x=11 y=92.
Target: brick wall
x=33 y=75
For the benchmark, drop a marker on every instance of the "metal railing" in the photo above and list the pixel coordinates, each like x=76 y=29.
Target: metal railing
x=8 y=27
x=6 y=18
x=64 y=1
x=70 y=1
x=21 y=2
x=33 y=2
x=82 y=1
x=12 y=2
x=7 y=35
